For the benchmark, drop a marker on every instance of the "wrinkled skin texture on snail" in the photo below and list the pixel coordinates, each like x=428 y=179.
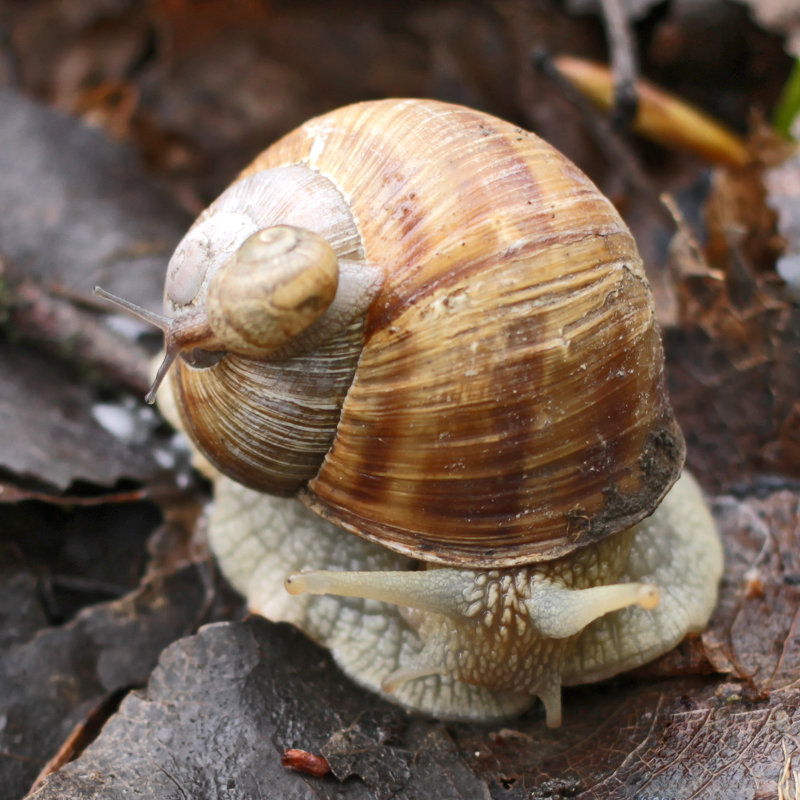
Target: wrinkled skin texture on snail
x=481 y=673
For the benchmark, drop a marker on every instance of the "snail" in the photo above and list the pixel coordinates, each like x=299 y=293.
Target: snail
x=415 y=349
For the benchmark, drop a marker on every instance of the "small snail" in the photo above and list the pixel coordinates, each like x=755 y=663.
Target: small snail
x=416 y=323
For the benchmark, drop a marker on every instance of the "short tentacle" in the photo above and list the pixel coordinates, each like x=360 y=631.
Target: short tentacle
x=558 y=612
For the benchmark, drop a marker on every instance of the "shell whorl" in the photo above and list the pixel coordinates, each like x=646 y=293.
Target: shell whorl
x=279 y=282
x=267 y=423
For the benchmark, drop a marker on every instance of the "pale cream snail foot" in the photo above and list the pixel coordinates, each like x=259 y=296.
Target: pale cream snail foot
x=524 y=632
x=417 y=636
x=259 y=539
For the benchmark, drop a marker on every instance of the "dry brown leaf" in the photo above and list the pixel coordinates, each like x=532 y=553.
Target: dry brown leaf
x=756 y=630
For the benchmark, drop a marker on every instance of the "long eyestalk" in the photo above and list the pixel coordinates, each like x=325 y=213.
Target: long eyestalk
x=161 y=321
x=189 y=331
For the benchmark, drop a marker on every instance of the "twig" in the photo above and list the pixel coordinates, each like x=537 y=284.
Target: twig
x=10 y=493
x=624 y=63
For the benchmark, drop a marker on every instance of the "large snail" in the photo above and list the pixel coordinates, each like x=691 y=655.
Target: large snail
x=416 y=323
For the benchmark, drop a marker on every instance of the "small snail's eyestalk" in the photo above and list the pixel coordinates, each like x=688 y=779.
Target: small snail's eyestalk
x=161 y=321
x=178 y=334
x=161 y=373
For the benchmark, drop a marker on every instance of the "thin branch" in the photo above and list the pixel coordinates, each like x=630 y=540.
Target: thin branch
x=624 y=63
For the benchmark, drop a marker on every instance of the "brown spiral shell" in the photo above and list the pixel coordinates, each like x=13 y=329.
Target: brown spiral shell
x=508 y=403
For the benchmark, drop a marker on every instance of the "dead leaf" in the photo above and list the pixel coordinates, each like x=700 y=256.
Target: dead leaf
x=733 y=355
x=50 y=682
x=734 y=395
x=21 y=610
x=221 y=708
x=78 y=209
x=70 y=43
x=54 y=431
x=756 y=633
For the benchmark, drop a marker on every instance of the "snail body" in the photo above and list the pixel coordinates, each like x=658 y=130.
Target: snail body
x=258 y=538
x=469 y=378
